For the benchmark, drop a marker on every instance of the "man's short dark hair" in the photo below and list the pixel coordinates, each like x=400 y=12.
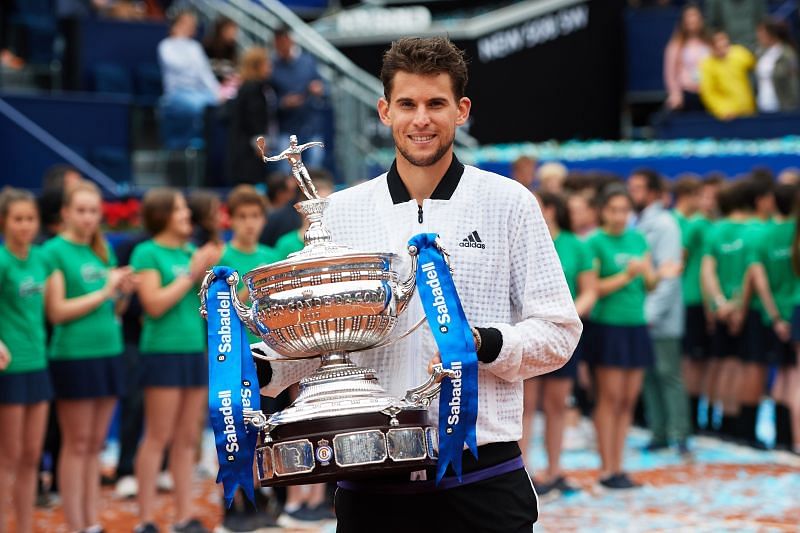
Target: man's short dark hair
x=653 y=179
x=425 y=56
x=686 y=185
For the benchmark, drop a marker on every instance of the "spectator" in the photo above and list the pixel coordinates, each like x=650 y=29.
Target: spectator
x=172 y=348
x=778 y=86
x=551 y=177
x=789 y=176
x=253 y=115
x=85 y=295
x=523 y=170
x=282 y=194
x=685 y=51
x=665 y=401
x=724 y=79
x=189 y=83
x=293 y=240
x=582 y=212
x=220 y=47
x=737 y=18
x=25 y=386
x=301 y=95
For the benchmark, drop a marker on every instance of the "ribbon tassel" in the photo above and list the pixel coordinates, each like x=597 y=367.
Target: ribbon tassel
x=458 y=399
x=232 y=388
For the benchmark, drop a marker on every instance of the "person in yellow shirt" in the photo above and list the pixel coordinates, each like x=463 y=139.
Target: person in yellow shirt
x=724 y=79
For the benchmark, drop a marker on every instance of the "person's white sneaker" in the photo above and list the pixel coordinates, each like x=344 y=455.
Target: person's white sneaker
x=164 y=482
x=126 y=487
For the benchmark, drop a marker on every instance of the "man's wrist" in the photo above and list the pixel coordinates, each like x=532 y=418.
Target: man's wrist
x=491 y=343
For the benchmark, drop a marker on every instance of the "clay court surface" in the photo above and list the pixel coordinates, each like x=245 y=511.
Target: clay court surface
x=721 y=487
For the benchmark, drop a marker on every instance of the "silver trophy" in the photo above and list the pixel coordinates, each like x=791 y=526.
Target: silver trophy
x=327 y=301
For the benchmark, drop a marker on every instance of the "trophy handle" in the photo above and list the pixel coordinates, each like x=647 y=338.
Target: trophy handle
x=245 y=313
x=422 y=395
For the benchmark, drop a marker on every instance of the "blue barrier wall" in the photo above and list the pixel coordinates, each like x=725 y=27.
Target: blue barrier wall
x=97 y=127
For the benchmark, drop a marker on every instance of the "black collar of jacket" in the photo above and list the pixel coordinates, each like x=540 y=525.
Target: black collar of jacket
x=444 y=190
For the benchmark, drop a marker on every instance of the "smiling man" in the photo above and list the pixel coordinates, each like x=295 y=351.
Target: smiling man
x=508 y=278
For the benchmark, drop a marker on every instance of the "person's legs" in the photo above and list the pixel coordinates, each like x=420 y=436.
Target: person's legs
x=35 y=422
x=653 y=397
x=161 y=409
x=610 y=381
x=555 y=394
x=631 y=386
x=74 y=418
x=130 y=414
x=183 y=452
x=101 y=419
x=751 y=390
x=793 y=403
x=676 y=402
x=11 y=445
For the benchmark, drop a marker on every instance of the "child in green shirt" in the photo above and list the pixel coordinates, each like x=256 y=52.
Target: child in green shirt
x=25 y=386
x=172 y=347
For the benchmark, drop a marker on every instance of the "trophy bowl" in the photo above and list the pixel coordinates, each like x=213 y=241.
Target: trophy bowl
x=328 y=301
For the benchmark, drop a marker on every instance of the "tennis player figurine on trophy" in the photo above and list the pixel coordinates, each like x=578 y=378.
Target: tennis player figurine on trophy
x=325 y=301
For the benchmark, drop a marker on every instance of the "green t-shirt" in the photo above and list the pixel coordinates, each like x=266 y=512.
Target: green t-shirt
x=624 y=307
x=288 y=244
x=99 y=332
x=22 y=327
x=181 y=329
x=244 y=262
x=576 y=258
x=693 y=232
x=774 y=252
x=726 y=244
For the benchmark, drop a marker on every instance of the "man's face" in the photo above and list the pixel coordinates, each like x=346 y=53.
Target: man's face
x=637 y=189
x=283 y=45
x=720 y=44
x=423 y=114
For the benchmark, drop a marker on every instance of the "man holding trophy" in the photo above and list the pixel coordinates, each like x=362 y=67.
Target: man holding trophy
x=502 y=314
x=510 y=284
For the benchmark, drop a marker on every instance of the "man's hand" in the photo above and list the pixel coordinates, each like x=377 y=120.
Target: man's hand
x=435 y=360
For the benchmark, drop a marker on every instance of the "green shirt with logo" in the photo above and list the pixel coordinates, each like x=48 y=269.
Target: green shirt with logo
x=99 y=332
x=774 y=252
x=22 y=318
x=693 y=232
x=624 y=307
x=726 y=244
x=244 y=262
x=575 y=256
x=288 y=244
x=180 y=329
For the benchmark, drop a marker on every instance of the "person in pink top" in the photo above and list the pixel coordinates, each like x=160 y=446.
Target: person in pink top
x=688 y=46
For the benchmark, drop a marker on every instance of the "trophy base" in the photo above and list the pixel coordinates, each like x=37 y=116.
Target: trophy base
x=346 y=447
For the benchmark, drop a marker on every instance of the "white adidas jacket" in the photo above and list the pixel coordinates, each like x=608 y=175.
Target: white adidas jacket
x=513 y=283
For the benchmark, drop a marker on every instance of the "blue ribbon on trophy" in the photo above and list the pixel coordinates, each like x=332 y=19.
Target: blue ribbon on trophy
x=232 y=387
x=458 y=399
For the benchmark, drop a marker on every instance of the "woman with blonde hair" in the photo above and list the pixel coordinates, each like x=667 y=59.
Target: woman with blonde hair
x=85 y=294
x=253 y=114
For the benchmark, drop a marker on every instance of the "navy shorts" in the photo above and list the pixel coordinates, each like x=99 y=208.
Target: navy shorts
x=619 y=346
x=696 y=338
x=26 y=387
x=756 y=340
x=182 y=370
x=783 y=353
x=82 y=379
x=724 y=343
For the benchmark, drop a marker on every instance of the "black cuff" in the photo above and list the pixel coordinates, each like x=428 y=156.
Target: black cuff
x=491 y=344
x=264 y=371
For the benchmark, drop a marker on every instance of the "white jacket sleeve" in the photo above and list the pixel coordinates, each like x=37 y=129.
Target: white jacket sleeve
x=284 y=373
x=547 y=326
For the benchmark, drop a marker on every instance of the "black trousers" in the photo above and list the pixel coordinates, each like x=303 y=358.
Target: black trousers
x=504 y=504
